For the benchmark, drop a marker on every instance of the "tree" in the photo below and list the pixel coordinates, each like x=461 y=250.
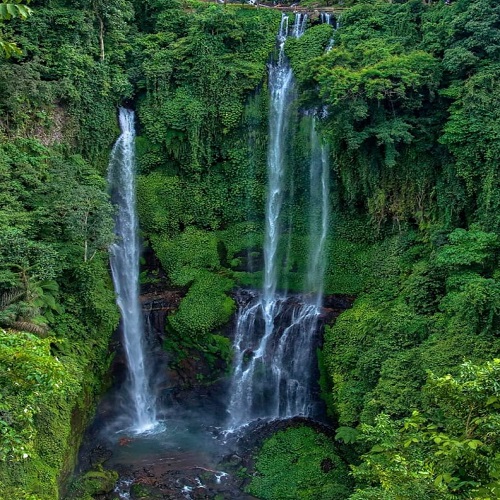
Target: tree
x=111 y=15
x=28 y=290
x=79 y=209
x=450 y=450
x=9 y=10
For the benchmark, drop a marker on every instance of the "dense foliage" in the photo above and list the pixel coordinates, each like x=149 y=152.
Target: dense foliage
x=299 y=463
x=450 y=450
x=412 y=133
x=409 y=101
x=74 y=63
x=57 y=306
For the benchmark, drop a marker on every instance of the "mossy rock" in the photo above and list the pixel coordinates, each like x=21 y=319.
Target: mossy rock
x=140 y=491
x=94 y=482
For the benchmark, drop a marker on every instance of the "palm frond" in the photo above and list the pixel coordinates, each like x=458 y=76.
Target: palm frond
x=27 y=326
x=10 y=296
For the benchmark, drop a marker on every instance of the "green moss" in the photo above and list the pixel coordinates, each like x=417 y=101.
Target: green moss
x=299 y=463
x=184 y=255
x=94 y=482
x=310 y=45
x=414 y=314
x=205 y=307
x=244 y=239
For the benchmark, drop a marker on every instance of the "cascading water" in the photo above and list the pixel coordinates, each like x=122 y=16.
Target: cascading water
x=282 y=95
x=275 y=334
x=327 y=18
x=299 y=25
x=124 y=258
x=319 y=210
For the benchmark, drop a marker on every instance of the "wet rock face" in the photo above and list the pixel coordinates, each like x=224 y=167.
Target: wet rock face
x=157 y=305
x=96 y=483
x=337 y=304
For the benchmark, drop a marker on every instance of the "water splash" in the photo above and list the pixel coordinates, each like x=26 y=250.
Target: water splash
x=124 y=258
x=122 y=488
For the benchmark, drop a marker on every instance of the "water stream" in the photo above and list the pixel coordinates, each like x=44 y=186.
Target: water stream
x=319 y=210
x=124 y=258
x=275 y=332
x=328 y=18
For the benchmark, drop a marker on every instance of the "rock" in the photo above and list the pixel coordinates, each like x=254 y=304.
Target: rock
x=234 y=460
x=95 y=482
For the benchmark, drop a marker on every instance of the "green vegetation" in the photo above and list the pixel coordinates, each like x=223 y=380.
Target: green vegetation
x=9 y=10
x=54 y=284
x=203 y=130
x=414 y=159
x=72 y=64
x=94 y=482
x=299 y=463
x=412 y=127
x=448 y=451
x=57 y=306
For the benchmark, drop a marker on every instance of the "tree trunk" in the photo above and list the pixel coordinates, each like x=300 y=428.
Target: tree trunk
x=101 y=35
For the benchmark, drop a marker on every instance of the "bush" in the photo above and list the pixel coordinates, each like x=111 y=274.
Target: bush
x=206 y=306
x=299 y=463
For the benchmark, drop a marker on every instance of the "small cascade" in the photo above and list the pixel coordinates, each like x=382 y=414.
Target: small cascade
x=276 y=335
x=328 y=18
x=272 y=378
x=124 y=258
x=299 y=25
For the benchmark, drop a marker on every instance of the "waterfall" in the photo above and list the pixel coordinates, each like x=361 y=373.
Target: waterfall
x=325 y=17
x=274 y=334
x=281 y=97
x=318 y=214
x=272 y=375
x=124 y=258
x=299 y=25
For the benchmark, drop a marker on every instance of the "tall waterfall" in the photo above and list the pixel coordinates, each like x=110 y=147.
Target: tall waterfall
x=274 y=339
x=124 y=257
x=282 y=95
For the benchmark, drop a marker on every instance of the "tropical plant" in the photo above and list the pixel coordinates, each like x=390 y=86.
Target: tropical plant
x=9 y=10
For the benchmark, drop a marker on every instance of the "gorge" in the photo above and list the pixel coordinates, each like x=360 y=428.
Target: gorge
x=277 y=277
